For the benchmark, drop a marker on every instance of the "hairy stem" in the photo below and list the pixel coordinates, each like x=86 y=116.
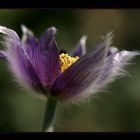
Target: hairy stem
x=49 y=116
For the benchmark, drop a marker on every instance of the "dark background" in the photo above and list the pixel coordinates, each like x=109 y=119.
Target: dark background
x=117 y=109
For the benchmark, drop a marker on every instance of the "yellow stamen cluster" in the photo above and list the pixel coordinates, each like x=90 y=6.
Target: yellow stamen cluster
x=66 y=61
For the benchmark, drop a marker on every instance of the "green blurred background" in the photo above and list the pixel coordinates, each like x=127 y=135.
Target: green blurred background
x=118 y=109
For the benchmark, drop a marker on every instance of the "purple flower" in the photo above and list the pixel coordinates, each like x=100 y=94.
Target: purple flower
x=39 y=64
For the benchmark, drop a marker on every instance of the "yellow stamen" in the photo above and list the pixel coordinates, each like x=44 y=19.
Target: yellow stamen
x=66 y=61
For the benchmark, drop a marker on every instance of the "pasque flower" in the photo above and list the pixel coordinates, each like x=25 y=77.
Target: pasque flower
x=41 y=65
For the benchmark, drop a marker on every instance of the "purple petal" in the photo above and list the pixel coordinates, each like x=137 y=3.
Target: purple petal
x=3 y=55
x=28 y=38
x=25 y=71
x=121 y=59
x=29 y=42
x=107 y=68
x=26 y=32
x=113 y=67
x=112 y=50
x=82 y=74
x=19 y=64
x=48 y=37
x=105 y=74
x=80 y=48
x=44 y=56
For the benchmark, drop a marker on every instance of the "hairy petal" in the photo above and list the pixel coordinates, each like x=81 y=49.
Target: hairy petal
x=24 y=70
x=121 y=59
x=19 y=63
x=3 y=55
x=29 y=42
x=80 y=48
x=106 y=69
x=82 y=74
x=26 y=33
x=44 y=56
x=112 y=50
x=11 y=38
x=113 y=67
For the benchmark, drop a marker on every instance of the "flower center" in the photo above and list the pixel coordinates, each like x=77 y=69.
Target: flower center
x=66 y=61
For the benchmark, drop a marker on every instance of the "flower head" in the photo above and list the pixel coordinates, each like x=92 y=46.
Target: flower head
x=41 y=65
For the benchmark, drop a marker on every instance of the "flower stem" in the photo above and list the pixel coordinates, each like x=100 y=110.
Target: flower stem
x=50 y=110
